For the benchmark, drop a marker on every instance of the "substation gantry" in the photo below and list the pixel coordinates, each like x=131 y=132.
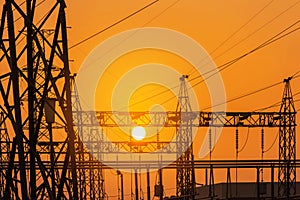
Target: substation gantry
x=38 y=163
x=183 y=120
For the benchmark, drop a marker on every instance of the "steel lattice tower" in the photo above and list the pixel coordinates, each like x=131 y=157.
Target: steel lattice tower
x=90 y=180
x=185 y=177
x=287 y=144
x=4 y=152
x=35 y=68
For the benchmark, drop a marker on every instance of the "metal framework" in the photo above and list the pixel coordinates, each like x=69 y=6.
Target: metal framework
x=185 y=174
x=110 y=119
x=35 y=68
x=287 y=144
x=284 y=120
x=90 y=179
x=38 y=163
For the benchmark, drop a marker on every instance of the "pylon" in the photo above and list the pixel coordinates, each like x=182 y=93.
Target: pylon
x=287 y=144
x=185 y=176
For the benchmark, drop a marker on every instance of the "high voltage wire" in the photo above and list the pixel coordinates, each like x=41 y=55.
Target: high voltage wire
x=222 y=67
x=114 y=24
x=230 y=63
x=235 y=32
x=245 y=143
x=125 y=18
x=296 y=73
x=268 y=149
x=152 y=19
x=255 y=31
x=245 y=95
x=241 y=27
x=251 y=93
x=248 y=94
x=233 y=61
x=261 y=10
x=275 y=38
x=275 y=104
x=256 y=14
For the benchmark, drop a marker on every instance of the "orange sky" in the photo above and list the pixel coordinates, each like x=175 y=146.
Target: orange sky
x=210 y=23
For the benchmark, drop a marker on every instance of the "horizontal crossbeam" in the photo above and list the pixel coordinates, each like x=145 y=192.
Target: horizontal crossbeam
x=173 y=119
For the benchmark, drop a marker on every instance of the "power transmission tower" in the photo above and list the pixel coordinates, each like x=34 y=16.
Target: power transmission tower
x=27 y=82
x=90 y=179
x=185 y=177
x=4 y=152
x=287 y=144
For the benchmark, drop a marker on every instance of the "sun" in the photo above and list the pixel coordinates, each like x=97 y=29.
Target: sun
x=138 y=133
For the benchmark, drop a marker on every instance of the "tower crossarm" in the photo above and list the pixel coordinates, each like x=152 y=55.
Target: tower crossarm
x=173 y=118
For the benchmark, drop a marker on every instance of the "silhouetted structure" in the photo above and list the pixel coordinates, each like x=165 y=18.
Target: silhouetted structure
x=38 y=163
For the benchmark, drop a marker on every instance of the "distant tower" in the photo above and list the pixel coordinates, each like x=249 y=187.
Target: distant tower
x=94 y=187
x=4 y=153
x=287 y=144
x=185 y=177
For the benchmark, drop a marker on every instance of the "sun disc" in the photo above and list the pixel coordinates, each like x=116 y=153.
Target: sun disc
x=138 y=133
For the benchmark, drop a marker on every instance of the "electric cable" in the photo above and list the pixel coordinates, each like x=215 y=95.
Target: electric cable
x=246 y=141
x=295 y=74
x=236 y=31
x=275 y=104
x=152 y=19
x=248 y=94
x=256 y=14
x=244 y=95
x=260 y=28
x=240 y=41
x=244 y=25
x=268 y=149
x=114 y=24
x=226 y=65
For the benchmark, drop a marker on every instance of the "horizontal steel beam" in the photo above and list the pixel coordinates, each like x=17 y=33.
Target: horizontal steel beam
x=174 y=119
x=198 y=164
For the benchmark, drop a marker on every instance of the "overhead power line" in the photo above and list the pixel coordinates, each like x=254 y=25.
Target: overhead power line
x=236 y=31
x=273 y=39
x=296 y=74
x=255 y=31
x=249 y=94
x=245 y=95
x=275 y=104
x=114 y=24
x=251 y=19
x=222 y=67
x=241 y=27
